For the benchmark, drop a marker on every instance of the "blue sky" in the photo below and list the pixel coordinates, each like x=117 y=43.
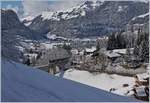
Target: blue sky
x=13 y=3
x=4 y=4
x=17 y=3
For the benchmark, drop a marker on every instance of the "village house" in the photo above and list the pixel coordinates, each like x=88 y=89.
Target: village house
x=141 y=88
x=142 y=79
x=32 y=53
x=133 y=62
x=140 y=93
x=77 y=58
x=102 y=42
x=53 y=60
x=116 y=53
x=111 y=55
x=122 y=57
x=88 y=51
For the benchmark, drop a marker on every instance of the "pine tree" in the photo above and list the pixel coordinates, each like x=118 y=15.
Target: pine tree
x=141 y=48
x=145 y=48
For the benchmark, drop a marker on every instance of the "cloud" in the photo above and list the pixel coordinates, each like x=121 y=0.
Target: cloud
x=65 y=5
x=34 y=8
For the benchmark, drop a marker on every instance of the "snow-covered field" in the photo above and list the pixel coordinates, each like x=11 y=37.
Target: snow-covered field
x=102 y=81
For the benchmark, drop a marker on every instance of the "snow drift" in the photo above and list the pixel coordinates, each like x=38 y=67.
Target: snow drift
x=25 y=84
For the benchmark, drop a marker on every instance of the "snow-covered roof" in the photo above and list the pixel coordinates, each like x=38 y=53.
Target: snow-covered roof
x=116 y=52
x=74 y=51
x=142 y=76
x=33 y=55
x=25 y=84
x=122 y=51
x=92 y=49
x=120 y=8
x=53 y=54
x=111 y=54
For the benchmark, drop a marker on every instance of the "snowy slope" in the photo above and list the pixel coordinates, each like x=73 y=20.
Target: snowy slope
x=27 y=20
x=74 y=12
x=141 y=16
x=47 y=15
x=23 y=83
x=102 y=80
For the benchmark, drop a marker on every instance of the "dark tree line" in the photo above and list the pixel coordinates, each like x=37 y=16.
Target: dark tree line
x=116 y=41
x=140 y=43
x=141 y=48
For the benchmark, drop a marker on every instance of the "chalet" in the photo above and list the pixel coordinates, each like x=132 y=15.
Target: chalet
x=29 y=58
x=142 y=79
x=102 y=42
x=133 y=62
x=35 y=48
x=141 y=88
x=88 y=51
x=111 y=55
x=116 y=53
x=122 y=57
x=140 y=93
x=123 y=51
x=76 y=60
x=75 y=51
x=53 y=60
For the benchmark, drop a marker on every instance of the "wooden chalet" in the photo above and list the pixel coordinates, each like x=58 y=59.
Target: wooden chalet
x=142 y=79
x=141 y=88
x=53 y=60
x=133 y=62
x=112 y=56
x=141 y=93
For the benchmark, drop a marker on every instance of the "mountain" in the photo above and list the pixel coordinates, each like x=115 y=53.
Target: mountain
x=89 y=19
x=14 y=33
x=21 y=83
x=11 y=24
x=27 y=20
x=140 y=19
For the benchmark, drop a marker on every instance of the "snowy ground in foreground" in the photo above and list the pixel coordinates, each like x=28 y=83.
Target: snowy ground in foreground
x=26 y=84
x=103 y=81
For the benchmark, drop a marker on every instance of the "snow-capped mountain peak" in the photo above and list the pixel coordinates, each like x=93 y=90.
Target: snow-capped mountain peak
x=46 y=15
x=27 y=20
x=74 y=12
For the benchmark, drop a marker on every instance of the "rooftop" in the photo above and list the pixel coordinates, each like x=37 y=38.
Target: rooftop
x=111 y=54
x=53 y=54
